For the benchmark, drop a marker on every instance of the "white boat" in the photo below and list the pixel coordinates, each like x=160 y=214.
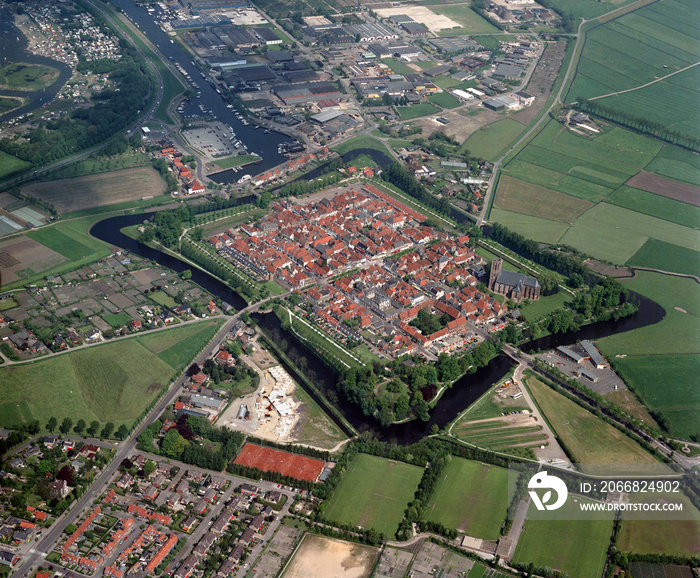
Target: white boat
x=244 y=178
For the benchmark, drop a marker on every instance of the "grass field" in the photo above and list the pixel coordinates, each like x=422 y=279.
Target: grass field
x=536 y=310
x=470 y=21
x=360 y=142
x=317 y=429
x=28 y=76
x=9 y=165
x=99 y=190
x=114 y=381
x=163 y=299
x=8 y=103
x=235 y=161
x=471 y=497
x=491 y=140
x=534 y=200
x=577 y=547
x=397 y=66
x=117 y=319
x=666 y=257
x=672 y=537
x=544 y=230
x=416 y=110
x=638 y=48
x=60 y=242
x=588 y=9
x=677 y=164
x=100 y=165
x=589 y=439
x=374 y=493
x=444 y=99
x=655 y=205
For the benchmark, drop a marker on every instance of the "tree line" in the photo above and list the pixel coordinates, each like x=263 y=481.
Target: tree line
x=401 y=178
x=638 y=124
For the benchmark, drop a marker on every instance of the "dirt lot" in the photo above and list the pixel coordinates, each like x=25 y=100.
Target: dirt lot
x=320 y=557
x=665 y=187
x=90 y=191
x=434 y=22
x=460 y=126
x=22 y=257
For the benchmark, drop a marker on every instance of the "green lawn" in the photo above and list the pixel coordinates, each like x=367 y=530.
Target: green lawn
x=178 y=355
x=666 y=257
x=374 y=493
x=117 y=319
x=397 y=66
x=416 y=110
x=235 y=161
x=589 y=439
x=163 y=299
x=577 y=547
x=159 y=342
x=541 y=308
x=444 y=99
x=471 y=497
x=9 y=165
x=91 y=166
x=360 y=142
x=491 y=140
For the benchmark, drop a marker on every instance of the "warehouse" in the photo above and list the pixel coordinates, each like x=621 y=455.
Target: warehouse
x=370 y=32
x=267 y=36
x=309 y=92
x=415 y=28
x=457 y=44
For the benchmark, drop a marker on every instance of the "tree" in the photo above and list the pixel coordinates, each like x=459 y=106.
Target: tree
x=173 y=444
x=66 y=425
x=66 y=473
x=70 y=528
x=51 y=425
x=107 y=430
x=264 y=200
x=122 y=432
x=187 y=274
x=549 y=282
x=94 y=428
x=18 y=500
x=80 y=426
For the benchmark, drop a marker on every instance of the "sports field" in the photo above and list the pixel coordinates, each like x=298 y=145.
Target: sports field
x=100 y=190
x=471 y=497
x=589 y=439
x=114 y=381
x=374 y=493
x=320 y=557
x=577 y=547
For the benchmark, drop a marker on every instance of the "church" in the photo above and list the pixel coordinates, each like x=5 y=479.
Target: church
x=513 y=285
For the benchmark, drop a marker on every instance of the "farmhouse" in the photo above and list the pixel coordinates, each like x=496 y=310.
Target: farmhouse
x=514 y=285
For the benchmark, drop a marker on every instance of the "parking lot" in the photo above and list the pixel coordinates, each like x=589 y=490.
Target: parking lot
x=607 y=380
x=213 y=139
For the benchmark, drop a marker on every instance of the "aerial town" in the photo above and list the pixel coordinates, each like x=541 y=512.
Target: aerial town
x=349 y=290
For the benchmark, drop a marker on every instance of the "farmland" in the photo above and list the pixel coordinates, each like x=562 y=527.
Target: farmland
x=673 y=537
x=9 y=165
x=577 y=547
x=602 y=188
x=589 y=439
x=471 y=497
x=667 y=257
x=85 y=192
x=640 y=47
x=374 y=493
x=114 y=381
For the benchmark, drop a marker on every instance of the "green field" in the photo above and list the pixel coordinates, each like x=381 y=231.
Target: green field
x=444 y=99
x=114 y=381
x=360 y=142
x=666 y=257
x=470 y=21
x=658 y=206
x=163 y=299
x=60 y=242
x=117 y=319
x=9 y=165
x=589 y=439
x=374 y=493
x=672 y=537
x=471 y=497
x=92 y=166
x=588 y=9
x=544 y=230
x=178 y=355
x=577 y=547
x=397 y=66
x=28 y=76
x=677 y=164
x=491 y=140
x=416 y=110
x=640 y=47
x=235 y=161
x=536 y=310
x=8 y=103
x=317 y=429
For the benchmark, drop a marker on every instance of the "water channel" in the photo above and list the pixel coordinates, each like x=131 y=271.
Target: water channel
x=462 y=394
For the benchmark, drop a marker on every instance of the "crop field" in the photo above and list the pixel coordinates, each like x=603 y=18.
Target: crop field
x=491 y=140
x=374 y=493
x=544 y=230
x=577 y=547
x=522 y=197
x=9 y=165
x=110 y=382
x=471 y=497
x=672 y=537
x=444 y=99
x=85 y=192
x=655 y=205
x=99 y=165
x=62 y=243
x=640 y=47
x=666 y=257
x=588 y=9
x=677 y=164
x=589 y=439
x=179 y=353
x=416 y=110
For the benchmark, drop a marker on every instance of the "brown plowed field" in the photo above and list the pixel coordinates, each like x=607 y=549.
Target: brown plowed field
x=91 y=191
x=665 y=187
x=270 y=460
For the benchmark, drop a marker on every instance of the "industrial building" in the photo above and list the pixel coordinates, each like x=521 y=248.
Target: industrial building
x=309 y=92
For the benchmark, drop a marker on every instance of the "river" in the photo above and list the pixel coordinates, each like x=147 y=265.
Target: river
x=462 y=394
x=256 y=140
x=13 y=48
